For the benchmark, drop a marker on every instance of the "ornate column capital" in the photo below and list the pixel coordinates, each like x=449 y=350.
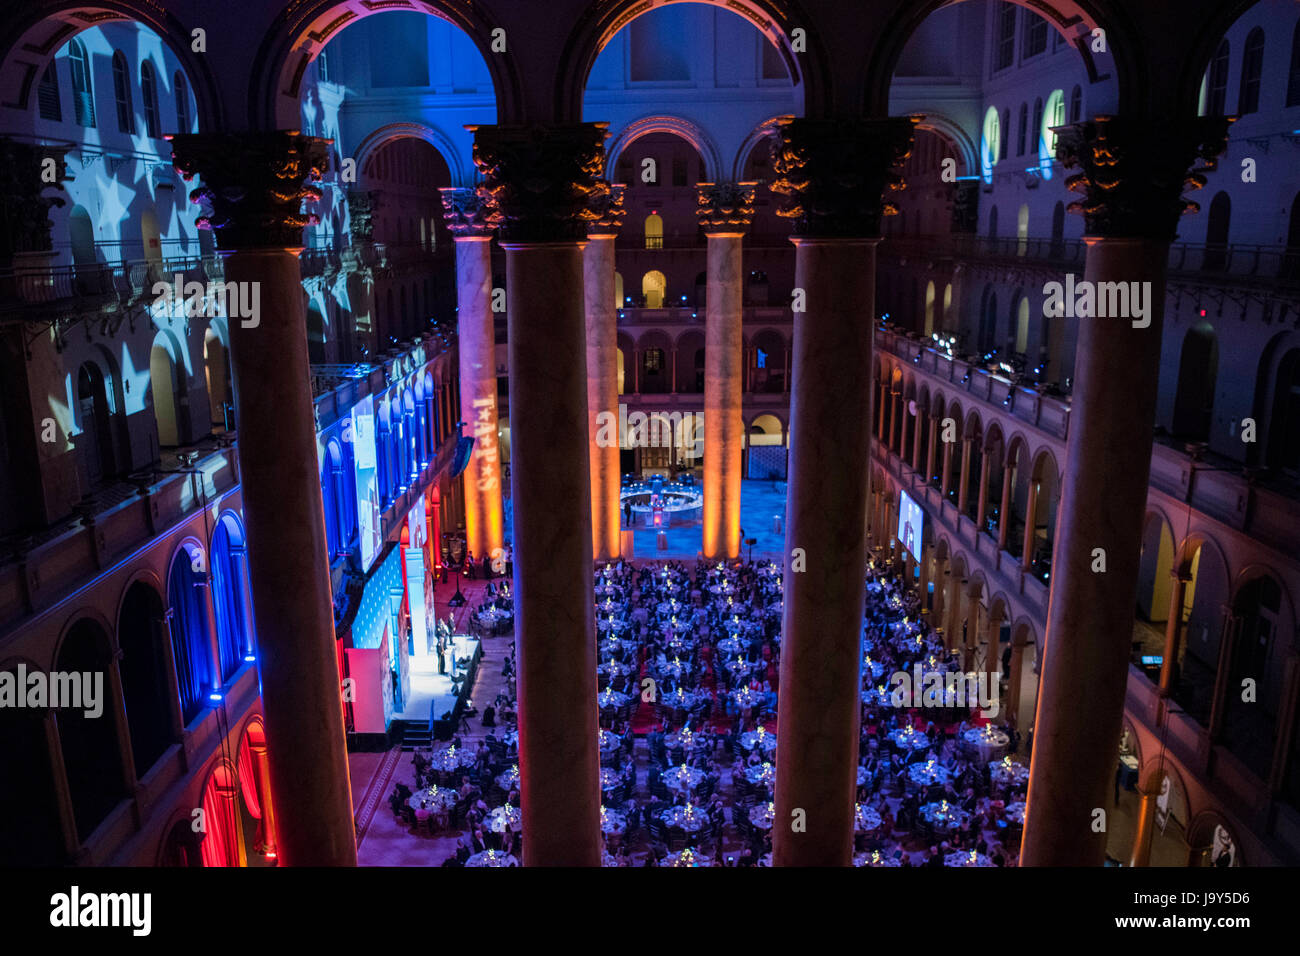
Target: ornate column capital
x=725 y=207
x=467 y=214
x=607 y=207
x=254 y=184
x=1134 y=170
x=837 y=175
x=541 y=181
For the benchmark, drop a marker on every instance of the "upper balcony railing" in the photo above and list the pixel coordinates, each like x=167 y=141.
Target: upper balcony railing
x=1238 y=261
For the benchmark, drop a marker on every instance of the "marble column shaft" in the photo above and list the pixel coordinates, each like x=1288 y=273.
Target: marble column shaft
x=254 y=187
x=1134 y=170
x=602 y=393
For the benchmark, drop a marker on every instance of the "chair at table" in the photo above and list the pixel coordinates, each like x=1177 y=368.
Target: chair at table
x=658 y=832
x=409 y=818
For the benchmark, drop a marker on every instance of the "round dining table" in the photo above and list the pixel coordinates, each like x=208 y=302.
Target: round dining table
x=874 y=858
x=763 y=774
x=762 y=815
x=611 y=700
x=501 y=816
x=686 y=818
x=759 y=738
x=732 y=647
x=1008 y=773
x=928 y=773
x=686 y=857
x=965 y=858
x=612 y=822
x=492 y=858
x=688 y=741
x=679 y=698
x=943 y=816
x=682 y=779
x=909 y=738
x=988 y=743
x=508 y=780
x=433 y=798
x=865 y=818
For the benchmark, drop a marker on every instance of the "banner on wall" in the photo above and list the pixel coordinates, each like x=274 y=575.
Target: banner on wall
x=365 y=463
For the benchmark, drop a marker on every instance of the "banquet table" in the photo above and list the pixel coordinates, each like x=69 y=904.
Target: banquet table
x=746 y=697
x=612 y=624
x=1008 y=773
x=609 y=742
x=611 y=700
x=452 y=758
x=611 y=646
x=739 y=667
x=988 y=743
x=865 y=819
x=762 y=773
x=491 y=858
x=874 y=667
x=508 y=780
x=674 y=668
x=1015 y=812
x=432 y=798
x=759 y=738
x=501 y=816
x=965 y=858
x=874 y=858
x=680 y=643
x=876 y=696
x=688 y=741
x=732 y=647
x=685 y=699
x=909 y=738
x=927 y=774
x=687 y=857
x=609 y=779
x=612 y=669
x=669 y=608
x=612 y=822
x=609 y=859
x=682 y=778
x=762 y=815
x=944 y=816
x=688 y=818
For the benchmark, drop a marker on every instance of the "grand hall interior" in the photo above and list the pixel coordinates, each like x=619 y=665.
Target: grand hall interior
x=647 y=434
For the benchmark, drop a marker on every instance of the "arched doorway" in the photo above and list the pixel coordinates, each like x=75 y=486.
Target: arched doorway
x=31 y=833
x=1284 y=422
x=222 y=841
x=1216 y=232
x=221 y=393
x=1256 y=682
x=231 y=596
x=766 y=448
x=316 y=330
x=190 y=635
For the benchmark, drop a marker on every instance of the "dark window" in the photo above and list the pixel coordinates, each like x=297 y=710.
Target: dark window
x=149 y=93
x=323 y=66
x=1216 y=94
x=1034 y=35
x=47 y=94
x=1076 y=104
x=1293 y=79
x=1252 y=65
x=1005 y=136
x=182 y=104
x=1034 y=131
x=122 y=95
x=679 y=171
x=654 y=361
x=1024 y=128
x=1006 y=49
x=83 y=94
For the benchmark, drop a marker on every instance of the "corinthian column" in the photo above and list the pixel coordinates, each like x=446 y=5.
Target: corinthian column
x=542 y=182
x=254 y=188
x=1133 y=173
x=602 y=371
x=834 y=175
x=466 y=217
x=725 y=211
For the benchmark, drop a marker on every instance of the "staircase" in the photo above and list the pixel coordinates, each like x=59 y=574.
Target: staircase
x=415 y=734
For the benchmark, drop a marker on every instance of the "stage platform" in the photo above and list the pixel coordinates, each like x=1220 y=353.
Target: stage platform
x=433 y=697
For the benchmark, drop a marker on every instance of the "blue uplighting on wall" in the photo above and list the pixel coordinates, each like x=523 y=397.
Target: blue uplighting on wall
x=376 y=609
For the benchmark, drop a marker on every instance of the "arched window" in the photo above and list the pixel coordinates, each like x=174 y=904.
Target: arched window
x=1252 y=66
x=1006 y=142
x=189 y=627
x=1216 y=82
x=90 y=745
x=654 y=286
x=929 y=308
x=230 y=595
x=1216 y=232
x=1284 y=423
x=1036 y=131
x=96 y=438
x=993 y=222
x=30 y=830
x=146 y=680
x=149 y=95
x=1197 y=371
x=47 y=94
x=988 y=320
x=83 y=93
x=122 y=95
x=1022 y=326
x=1006 y=48
x=1058 y=230
x=182 y=103
x=654 y=232
x=1293 y=77
x=1022 y=229
x=990 y=143
x=1024 y=129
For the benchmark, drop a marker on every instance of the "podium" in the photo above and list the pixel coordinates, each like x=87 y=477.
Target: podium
x=627 y=544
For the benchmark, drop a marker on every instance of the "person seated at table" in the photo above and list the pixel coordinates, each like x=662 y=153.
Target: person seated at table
x=462 y=851
x=477 y=840
x=935 y=858
x=465 y=788
x=489 y=716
